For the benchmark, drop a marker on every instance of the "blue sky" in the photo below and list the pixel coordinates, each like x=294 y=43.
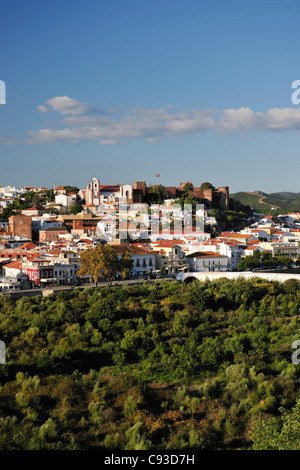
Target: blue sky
x=190 y=89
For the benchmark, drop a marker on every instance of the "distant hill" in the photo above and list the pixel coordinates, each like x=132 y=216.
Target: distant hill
x=264 y=202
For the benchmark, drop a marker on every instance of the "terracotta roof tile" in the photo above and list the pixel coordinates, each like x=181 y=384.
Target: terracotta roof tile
x=205 y=254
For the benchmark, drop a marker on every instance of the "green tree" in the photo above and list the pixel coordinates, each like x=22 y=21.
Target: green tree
x=188 y=187
x=206 y=185
x=125 y=265
x=130 y=405
x=76 y=208
x=156 y=194
x=249 y=262
x=101 y=261
x=87 y=264
x=136 y=439
x=71 y=189
x=285 y=260
x=279 y=434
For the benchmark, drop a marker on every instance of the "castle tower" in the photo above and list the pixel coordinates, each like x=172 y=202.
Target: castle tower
x=224 y=196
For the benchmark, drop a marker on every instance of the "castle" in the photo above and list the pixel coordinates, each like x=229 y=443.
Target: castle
x=97 y=194
x=218 y=197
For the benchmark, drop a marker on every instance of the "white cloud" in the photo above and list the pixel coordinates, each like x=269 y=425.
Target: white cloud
x=275 y=119
x=43 y=109
x=8 y=141
x=142 y=123
x=82 y=121
x=68 y=106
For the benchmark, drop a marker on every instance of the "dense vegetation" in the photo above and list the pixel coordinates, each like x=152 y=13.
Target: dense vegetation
x=162 y=365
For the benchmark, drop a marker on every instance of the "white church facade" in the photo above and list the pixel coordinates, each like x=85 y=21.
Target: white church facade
x=97 y=194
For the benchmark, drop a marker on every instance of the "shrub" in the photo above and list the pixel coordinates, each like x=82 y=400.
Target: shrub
x=136 y=439
x=48 y=429
x=130 y=405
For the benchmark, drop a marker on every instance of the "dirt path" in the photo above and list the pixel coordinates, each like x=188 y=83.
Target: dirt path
x=261 y=200
x=267 y=203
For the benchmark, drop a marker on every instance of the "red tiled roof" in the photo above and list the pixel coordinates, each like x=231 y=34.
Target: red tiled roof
x=225 y=234
x=166 y=243
x=14 y=264
x=32 y=209
x=253 y=242
x=242 y=235
x=107 y=187
x=131 y=249
x=27 y=246
x=205 y=254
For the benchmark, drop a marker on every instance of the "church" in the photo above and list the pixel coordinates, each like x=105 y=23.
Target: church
x=97 y=194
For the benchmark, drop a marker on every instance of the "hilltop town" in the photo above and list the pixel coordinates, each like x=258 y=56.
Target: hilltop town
x=43 y=232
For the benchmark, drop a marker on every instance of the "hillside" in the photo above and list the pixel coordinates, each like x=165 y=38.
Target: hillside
x=264 y=202
x=162 y=366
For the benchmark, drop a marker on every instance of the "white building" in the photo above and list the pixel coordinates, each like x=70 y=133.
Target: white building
x=250 y=249
x=64 y=273
x=96 y=194
x=281 y=248
x=14 y=276
x=6 y=201
x=119 y=193
x=143 y=262
x=45 y=221
x=176 y=261
x=258 y=233
x=13 y=269
x=65 y=200
x=107 y=227
x=208 y=261
x=9 y=283
x=230 y=249
x=33 y=211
